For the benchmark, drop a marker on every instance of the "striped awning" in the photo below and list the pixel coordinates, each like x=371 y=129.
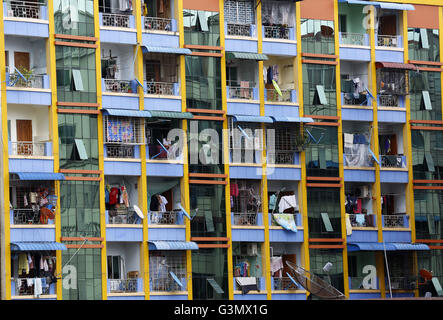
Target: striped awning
x=246 y=56
x=37 y=246
x=292 y=119
x=172 y=245
x=395 y=65
x=381 y=5
x=241 y=118
x=127 y=113
x=378 y=246
x=170 y=114
x=147 y=49
x=47 y=176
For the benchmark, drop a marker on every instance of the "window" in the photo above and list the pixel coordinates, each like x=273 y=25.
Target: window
x=74 y=17
x=425 y=95
x=423 y=44
x=317 y=36
x=115 y=267
x=201 y=27
x=342 y=23
x=324 y=212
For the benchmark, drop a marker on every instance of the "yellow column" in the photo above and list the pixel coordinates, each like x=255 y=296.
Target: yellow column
x=340 y=153
x=100 y=153
x=226 y=154
x=184 y=185
x=266 y=244
x=5 y=213
x=302 y=189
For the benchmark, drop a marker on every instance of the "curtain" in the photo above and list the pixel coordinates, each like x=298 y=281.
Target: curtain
x=278 y=13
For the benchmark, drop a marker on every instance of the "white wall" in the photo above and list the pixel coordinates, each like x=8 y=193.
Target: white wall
x=38 y=115
x=125 y=59
x=37 y=49
x=130 y=252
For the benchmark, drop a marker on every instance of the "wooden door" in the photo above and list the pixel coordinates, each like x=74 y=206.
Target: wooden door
x=153 y=70
x=388 y=25
x=292 y=258
x=24 y=137
x=21 y=59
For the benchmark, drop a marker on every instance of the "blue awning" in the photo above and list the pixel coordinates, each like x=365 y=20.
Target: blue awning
x=241 y=118
x=172 y=245
x=127 y=113
x=291 y=119
x=47 y=176
x=147 y=49
x=37 y=246
x=378 y=246
x=382 y=5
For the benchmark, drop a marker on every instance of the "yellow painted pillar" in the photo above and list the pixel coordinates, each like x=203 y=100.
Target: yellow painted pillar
x=340 y=152
x=5 y=212
x=226 y=153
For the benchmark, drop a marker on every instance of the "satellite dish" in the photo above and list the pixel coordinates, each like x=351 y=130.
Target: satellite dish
x=314 y=284
x=138 y=212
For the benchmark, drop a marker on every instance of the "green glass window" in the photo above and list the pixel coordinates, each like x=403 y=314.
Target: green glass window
x=76 y=78
x=423 y=44
x=428 y=213
x=431 y=260
x=322 y=151
x=319 y=258
x=78 y=141
x=324 y=213
x=319 y=90
x=427 y=154
x=201 y=27
x=317 y=36
x=425 y=93
x=360 y=264
x=74 y=17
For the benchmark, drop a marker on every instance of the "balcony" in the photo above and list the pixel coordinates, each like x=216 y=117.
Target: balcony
x=117 y=20
x=166 y=217
x=162 y=88
x=246 y=219
x=123 y=215
x=25 y=287
x=120 y=86
x=389 y=41
x=363 y=220
x=283 y=283
x=163 y=284
x=287 y=96
x=240 y=30
x=395 y=221
x=30 y=149
x=159 y=24
x=393 y=161
x=353 y=39
x=35 y=81
x=409 y=282
x=242 y=93
x=25 y=9
x=276 y=32
x=125 y=285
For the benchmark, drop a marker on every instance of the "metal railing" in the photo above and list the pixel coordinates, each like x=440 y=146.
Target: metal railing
x=241 y=93
x=123 y=216
x=245 y=219
x=234 y=29
x=26 y=216
x=120 y=151
x=27 y=148
x=284 y=283
x=166 y=284
x=23 y=289
x=114 y=85
x=115 y=20
x=122 y=285
x=350 y=38
x=388 y=41
x=403 y=283
x=273 y=96
x=160 y=88
x=395 y=220
x=32 y=81
x=392 y=161
x=276 y=32
x=363 y=220
x=24 y=9
x=282 y=157
x=388 y=100
x=165 y=217
x=153 y=23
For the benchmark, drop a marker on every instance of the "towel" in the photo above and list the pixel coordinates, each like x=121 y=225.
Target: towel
x=37 y=287
x=272 y=201
x=349 y=140
x=360 y=218
x=348 y=225
x=276 y=264
x=287 y=202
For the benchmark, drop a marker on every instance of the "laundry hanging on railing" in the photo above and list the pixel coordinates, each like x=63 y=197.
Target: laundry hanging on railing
x=286 y=220
x=357 y=152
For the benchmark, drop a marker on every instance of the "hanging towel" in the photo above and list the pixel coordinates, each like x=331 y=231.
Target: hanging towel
x=125 y=197
x=234 y=190
x=276 y=264
x=360 y=219
x=272 y=202
x=38 y=290
x=25 y=200
x=29 y=282
x=247 y=284
x=163 y=203
x=286 y=220
x=348 y=225
x=349 y=140
x=287 y=202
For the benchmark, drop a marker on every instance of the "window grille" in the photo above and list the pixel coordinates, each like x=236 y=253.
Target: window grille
x=161 y=263
x=285 y=145
x=123 y=130
x=239 y=12
x=246 y=203
x=245 y=142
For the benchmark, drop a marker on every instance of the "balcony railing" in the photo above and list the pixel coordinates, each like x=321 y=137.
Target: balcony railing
x=120 y=151
x=25 y=286
x=271 y=95
x=35 y=81
x=282 y=157
x=356 y=39
x=121 y=86
x=388 y=100
x=402 y=283
x=389 y=41
x=245 y=219
x=25 y=148
x=393 y=161
x=167 y=284
x=395 y=221
x=276 y=32
x=241 y=93
x=234 y=29
x=28 y=216
x=123 y=285
x=164 y=218
x=153 y=23
x=284 y=283
x=123 y=216
x=24 y=9
x=116 y=20
x=363 y=220
x=160 y=88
